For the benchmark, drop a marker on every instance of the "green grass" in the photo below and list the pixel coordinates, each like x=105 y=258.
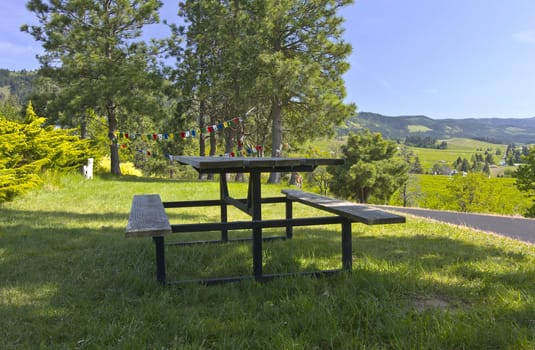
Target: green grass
x=70 y=279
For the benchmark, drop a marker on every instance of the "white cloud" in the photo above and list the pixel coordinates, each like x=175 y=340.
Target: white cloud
x=525 y=36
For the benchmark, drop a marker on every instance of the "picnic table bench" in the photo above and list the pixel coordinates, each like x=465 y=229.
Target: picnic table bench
x=149 y=219
x=347 y=212
x=352 y=211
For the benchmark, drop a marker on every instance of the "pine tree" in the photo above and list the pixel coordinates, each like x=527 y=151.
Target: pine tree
x=286 y=58
x=370 y=169
x=92 y=53
x=416 y=167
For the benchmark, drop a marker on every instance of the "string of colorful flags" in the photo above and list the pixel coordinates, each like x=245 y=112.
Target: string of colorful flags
x=247 y=149
x=176 y=135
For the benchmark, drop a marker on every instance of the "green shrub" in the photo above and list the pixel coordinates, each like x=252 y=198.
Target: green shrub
x=473 y=193
x=28 y=148
x=127 y=168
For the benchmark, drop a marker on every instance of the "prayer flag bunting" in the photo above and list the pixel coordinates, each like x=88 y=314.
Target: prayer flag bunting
x=185 y=134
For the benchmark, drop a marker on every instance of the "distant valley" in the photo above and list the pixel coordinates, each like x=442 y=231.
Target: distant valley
x=494 y=130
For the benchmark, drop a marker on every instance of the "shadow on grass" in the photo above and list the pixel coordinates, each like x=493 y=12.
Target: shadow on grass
x=30 y=220
x=143 y=179
x=140 y=179
x=71 y=280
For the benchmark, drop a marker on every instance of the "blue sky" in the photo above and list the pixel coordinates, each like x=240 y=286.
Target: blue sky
x=439 y=58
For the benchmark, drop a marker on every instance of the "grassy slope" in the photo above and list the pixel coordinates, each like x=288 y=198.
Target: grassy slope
x=70 y=279
x=457 y=147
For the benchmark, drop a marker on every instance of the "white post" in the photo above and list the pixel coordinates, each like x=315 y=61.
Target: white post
x=88 y=169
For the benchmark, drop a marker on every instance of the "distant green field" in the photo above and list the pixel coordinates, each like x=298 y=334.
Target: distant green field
x=418 y=128
x=457 y=147
x=469 y=144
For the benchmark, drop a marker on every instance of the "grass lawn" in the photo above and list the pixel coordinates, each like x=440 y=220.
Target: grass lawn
x=70 y=279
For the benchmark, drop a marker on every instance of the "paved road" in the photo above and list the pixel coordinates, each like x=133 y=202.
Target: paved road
x=514 y=227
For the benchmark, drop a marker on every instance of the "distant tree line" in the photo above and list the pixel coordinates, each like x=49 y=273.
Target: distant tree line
x=425 y=142
x=479 y=162
x=20 y=84
x=515 y=154
x=15 y=91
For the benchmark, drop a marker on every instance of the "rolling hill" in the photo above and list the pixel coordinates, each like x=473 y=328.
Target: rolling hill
x=495 y=130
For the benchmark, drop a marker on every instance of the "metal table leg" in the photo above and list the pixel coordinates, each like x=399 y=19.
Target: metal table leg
x=223 y=191
x=347 y=248
x=256 y=213
x=160 y=258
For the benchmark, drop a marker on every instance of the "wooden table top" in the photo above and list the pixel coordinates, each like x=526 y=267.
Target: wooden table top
x=246 y=164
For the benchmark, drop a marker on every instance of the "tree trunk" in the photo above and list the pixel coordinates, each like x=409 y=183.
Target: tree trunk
x=83 y=125
x=276 y=136
x=213 y=146
x=240 y=177
x=363 y=195
x=229 y=144
x=114 y=149
x=405 y=195
x=202 y=144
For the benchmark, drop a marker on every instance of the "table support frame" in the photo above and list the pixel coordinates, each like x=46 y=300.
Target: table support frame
x=252 y=205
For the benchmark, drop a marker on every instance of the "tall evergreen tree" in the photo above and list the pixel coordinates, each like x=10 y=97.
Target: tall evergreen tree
x=212 y=67
x=284 y=57
x=416 y=167
x=92 y=52
x=300 y=67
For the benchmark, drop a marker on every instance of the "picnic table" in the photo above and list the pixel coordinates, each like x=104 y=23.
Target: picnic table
x=148 y=218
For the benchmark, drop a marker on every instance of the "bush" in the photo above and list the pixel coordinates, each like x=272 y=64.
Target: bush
x=473 y=193
x=127 y=168
x=28 y=148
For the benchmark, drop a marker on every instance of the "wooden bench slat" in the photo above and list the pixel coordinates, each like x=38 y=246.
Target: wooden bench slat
x=353 y=211
x=147 y=217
